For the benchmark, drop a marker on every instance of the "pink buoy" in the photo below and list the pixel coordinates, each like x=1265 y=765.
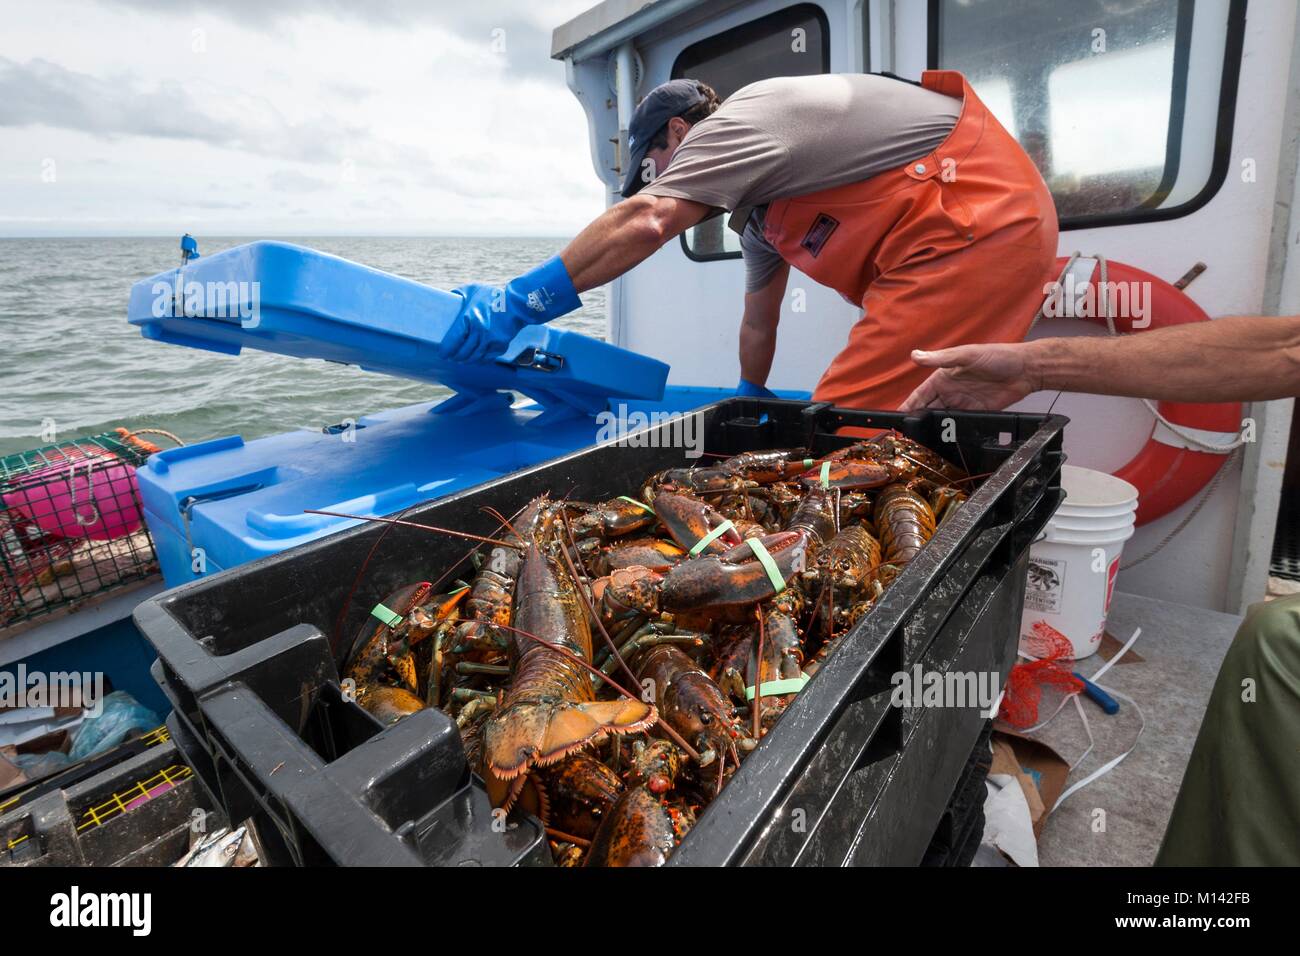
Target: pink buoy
x=91 y=494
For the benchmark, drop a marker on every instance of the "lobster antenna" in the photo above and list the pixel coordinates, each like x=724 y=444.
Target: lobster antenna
x=917 y=461
x=758 y=681
x=830 y=610
x=962 y=481
x=505 y=522
x=496 y=542
x=466 y=556
x=591 y=610
x=356 y=581
x=563 y=652
x=613 y=648
x=563 y=837
x=962 y=455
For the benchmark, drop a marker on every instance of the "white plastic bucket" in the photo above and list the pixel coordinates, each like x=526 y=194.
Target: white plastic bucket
x=1117 y=501
x=1072 y=570
x=1082 y=527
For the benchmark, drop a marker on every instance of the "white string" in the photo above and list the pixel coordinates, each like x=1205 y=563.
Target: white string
x=1116 y=761
x=997 y=705
x=1178 y=430
x=1087 y=729
x=1187 y=518
x=1060 y=281
x=1043 y=723
x=1216 y=447
x=1184 y=434
x=1122 y=651
x=1111 y=764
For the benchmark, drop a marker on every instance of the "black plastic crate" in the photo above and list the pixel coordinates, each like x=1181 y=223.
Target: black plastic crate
x=136 y=812
x=844 y=777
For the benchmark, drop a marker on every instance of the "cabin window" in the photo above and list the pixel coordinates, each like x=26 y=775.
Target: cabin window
x=791 y=42
x=1125 y=108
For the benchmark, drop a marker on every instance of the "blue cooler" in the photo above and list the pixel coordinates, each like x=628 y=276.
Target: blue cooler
x=224 y=502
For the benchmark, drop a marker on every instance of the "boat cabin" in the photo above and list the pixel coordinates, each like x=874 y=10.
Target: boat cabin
x=1166 y=131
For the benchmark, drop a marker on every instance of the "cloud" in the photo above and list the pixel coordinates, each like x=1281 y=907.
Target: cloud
x=41 y=93
x=259 y=14
x=211 y=203
x=347 y=90
x=526 y=25
x=408 y=115
x=291 y=181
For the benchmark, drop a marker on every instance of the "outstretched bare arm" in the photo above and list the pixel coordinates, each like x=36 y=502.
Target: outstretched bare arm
x=1239 y=358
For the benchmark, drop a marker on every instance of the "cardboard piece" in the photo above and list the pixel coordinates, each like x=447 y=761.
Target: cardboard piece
x=31 y=728
x=10 y=774
x=1039 y=769
x=59 y=740
x=1112 y=645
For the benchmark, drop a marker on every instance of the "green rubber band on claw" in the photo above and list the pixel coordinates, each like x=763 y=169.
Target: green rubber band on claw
x=387 y=615
x=775 y=688
x=826 y=474
x=711 y=537
x=639 y=504
x=809 y=462
x=768 y=562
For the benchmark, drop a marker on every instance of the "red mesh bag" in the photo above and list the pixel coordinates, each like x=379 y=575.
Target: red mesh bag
x=1051 y=672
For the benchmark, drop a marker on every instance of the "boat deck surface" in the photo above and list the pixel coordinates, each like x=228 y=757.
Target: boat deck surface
x=1181 y=649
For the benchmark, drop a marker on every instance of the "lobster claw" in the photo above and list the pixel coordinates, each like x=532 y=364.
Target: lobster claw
x=766 y=467
x=850 y=474
x=629 y=590
x=690 y=520
x=737 y=577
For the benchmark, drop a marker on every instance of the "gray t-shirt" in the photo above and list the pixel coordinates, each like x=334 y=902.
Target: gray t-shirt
x=793 y=135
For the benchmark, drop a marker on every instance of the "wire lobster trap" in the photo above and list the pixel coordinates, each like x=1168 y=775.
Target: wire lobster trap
x=71 y=523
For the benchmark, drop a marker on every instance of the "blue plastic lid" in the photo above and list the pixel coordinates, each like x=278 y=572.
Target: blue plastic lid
x=283 y=298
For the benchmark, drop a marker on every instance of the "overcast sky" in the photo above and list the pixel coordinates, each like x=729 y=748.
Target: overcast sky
x=128 y=117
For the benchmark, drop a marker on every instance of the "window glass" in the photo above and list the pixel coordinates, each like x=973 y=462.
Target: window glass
x=1129 y=137
x=1098 y=93
x=996 y=95
x=790 y=42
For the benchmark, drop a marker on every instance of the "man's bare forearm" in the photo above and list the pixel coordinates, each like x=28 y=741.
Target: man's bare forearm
x=758 y=328
x=757 y=348
x=1239 y=358
x=624 y=235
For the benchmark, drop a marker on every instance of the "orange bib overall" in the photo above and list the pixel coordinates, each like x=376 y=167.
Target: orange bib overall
x=954 y=247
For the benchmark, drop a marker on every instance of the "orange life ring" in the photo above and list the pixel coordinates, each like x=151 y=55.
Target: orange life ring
x=1168 y=471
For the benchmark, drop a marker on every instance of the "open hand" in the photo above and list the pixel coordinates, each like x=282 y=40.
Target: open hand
x=979 y=377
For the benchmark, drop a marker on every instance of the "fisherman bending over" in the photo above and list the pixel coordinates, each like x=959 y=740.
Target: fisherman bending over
x=909 y=200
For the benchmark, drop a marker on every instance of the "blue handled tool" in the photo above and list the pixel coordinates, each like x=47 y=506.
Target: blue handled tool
x=1103 y=700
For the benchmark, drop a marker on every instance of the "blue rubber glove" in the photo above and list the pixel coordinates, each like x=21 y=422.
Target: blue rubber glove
x=491 y=316
x=747 y=389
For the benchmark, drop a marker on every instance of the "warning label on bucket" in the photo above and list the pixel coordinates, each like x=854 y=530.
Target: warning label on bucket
x=1045 y=585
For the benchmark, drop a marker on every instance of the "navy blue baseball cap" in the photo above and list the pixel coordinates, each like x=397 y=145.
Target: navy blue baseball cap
x=651 y=115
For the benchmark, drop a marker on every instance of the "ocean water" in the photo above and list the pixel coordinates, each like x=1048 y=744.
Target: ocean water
x=69 y=356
